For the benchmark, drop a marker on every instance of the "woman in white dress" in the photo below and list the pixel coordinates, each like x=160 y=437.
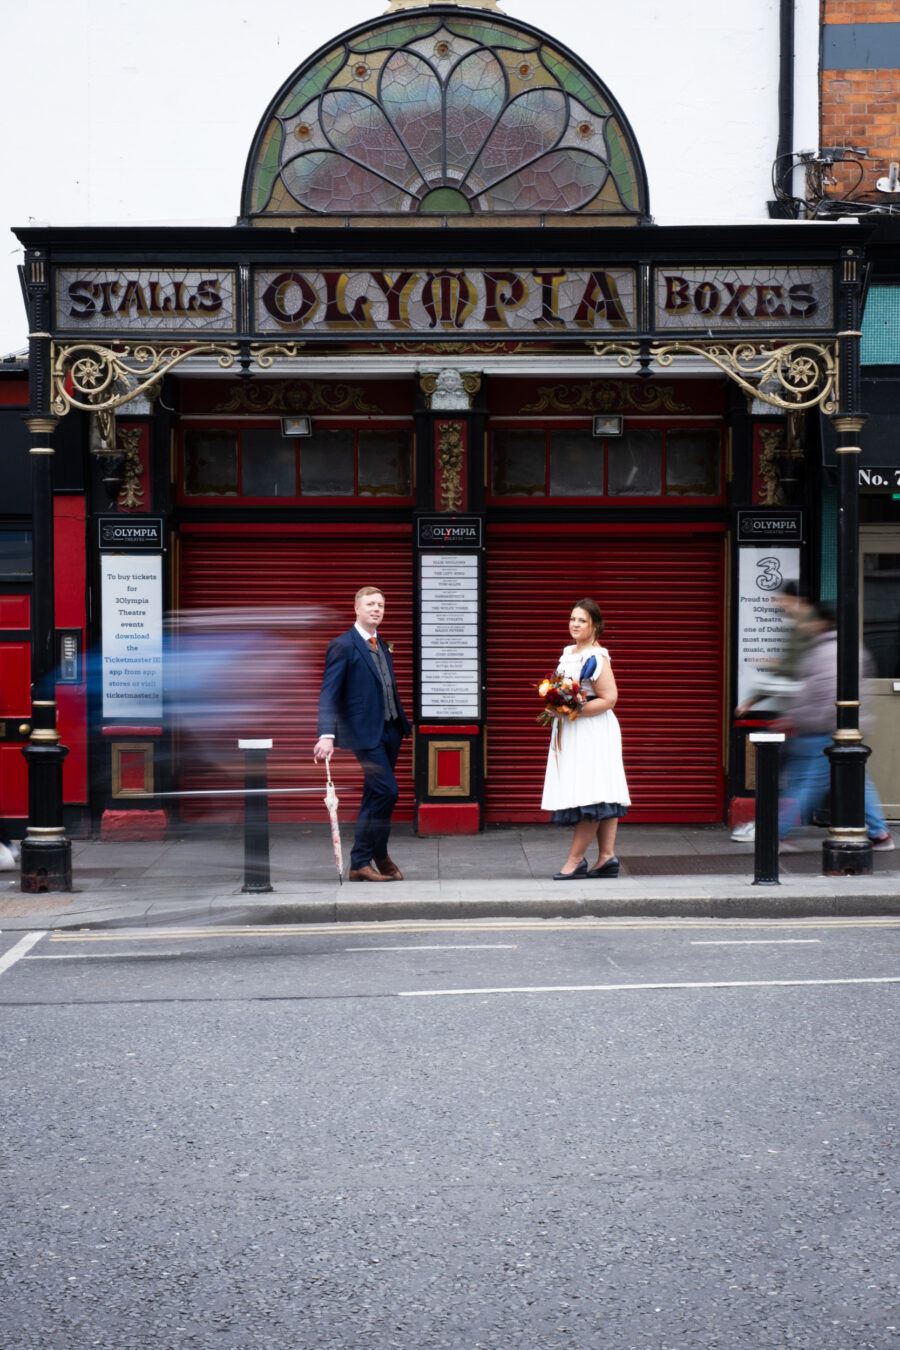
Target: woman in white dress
x=585 y=783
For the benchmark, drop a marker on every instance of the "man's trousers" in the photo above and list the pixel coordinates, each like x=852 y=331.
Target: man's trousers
x=380 y=793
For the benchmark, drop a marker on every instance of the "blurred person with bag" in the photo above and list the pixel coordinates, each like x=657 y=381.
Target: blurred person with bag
x=780 y=681
x=809 y=720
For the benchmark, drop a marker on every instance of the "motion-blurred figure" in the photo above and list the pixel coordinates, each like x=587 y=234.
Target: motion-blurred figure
x=810 y=716
x=780 y=681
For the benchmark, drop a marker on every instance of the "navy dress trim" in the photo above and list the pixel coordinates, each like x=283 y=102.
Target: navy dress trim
x=571 y=815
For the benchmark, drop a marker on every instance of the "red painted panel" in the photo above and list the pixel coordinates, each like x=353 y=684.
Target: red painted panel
x=15 y=679
x=444 y=818
x=132 y=770
x=15 y=611
x=69 y=559
x=516 y=395
x=448 y=768
x=14 y=393
x=129 y=732
x=70 y=573
x=275 y=399
x=13 y=782
x=447 y=729
x=133 y=825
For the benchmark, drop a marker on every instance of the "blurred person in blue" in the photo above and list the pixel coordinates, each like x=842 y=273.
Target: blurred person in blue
x=809 y=717
x=777 y=682
x=360 y=710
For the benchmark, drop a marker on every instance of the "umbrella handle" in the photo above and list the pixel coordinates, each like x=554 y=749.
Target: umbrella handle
x=328 y=782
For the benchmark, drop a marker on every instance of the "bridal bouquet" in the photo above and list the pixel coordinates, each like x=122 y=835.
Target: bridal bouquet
x=560 y=695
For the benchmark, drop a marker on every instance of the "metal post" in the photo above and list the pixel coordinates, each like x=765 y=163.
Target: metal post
x=46 y=852
x=848 y=849
x=256 y=816
x=765 y=849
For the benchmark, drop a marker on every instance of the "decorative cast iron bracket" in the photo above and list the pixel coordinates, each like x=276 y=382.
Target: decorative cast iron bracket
x=806 y=371
x=98 y=379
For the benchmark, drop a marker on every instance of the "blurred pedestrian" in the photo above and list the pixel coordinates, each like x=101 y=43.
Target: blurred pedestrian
x=810 y=715
x=776 y=683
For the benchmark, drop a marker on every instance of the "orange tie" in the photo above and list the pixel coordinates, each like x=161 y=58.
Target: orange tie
x=373 y=644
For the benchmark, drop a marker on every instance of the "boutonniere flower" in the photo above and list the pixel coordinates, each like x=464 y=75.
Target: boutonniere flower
x=390 y=647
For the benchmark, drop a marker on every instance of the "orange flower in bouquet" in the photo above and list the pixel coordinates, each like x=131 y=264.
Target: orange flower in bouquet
x=561 y=695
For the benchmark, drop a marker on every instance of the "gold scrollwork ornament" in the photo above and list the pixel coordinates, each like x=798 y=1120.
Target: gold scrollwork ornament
x=805 y=371
x=98 y=379
x=450 y=455
x=131 y=495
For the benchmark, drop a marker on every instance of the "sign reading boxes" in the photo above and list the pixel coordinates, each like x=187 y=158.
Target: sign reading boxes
x=450 y=673
x=132 y=635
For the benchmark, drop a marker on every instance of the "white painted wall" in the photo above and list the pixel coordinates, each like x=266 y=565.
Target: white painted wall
x=118 y=113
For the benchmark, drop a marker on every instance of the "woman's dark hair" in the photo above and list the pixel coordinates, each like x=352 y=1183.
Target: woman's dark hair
x=592 y=609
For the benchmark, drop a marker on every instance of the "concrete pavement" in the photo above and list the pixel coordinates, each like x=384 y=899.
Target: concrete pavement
x=196 y=876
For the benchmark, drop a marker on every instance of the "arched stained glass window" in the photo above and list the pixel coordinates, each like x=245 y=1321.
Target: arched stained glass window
x=444 y=111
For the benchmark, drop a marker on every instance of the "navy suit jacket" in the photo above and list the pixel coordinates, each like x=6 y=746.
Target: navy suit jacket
x=351 y=704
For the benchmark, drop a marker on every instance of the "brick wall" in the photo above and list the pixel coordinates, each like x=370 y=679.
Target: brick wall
x=859 y=107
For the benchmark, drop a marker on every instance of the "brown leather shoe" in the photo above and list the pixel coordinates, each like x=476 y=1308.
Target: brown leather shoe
x=366 y=873
x=388 y=869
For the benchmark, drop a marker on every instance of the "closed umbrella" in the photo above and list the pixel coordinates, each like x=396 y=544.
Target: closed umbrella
x=331 y=804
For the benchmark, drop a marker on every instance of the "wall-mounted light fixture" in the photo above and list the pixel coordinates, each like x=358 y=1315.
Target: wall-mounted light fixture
x=892 y=182
x=608 y=426
x=296 y=426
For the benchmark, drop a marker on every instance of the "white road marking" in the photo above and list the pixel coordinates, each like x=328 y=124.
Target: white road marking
x=617 y=988
x=18 y=951
x=104 y=956
x=445 y=947
x=753 y=942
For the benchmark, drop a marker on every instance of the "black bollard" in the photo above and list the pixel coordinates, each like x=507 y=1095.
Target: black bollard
x=256 y=816
x=765 y=849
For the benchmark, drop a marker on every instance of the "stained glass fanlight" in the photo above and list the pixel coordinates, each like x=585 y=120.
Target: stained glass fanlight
x=444 y=111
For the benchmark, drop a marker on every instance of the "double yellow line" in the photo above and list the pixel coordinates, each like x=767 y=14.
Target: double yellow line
x=473 y=926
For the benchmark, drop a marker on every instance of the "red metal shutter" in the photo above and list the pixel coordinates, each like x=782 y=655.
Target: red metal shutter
x=661 y=593
x=314 y=571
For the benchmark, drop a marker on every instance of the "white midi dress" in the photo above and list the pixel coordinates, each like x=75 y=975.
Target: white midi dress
x=585 y=778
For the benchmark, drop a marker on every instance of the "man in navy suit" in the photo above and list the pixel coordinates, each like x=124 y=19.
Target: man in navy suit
x=360 y=710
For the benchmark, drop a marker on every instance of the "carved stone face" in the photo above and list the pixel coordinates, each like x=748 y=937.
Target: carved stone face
x=449 y=392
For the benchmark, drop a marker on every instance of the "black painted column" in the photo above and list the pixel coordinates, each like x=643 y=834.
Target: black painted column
x=848 y=849
x=46 y=852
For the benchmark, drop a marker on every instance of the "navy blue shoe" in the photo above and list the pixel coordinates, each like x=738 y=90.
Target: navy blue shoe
x=580 y=871
x=609 y=869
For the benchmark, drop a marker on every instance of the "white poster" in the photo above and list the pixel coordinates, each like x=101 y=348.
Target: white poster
x=132 y=635
x=761 y=627
x=450 y=675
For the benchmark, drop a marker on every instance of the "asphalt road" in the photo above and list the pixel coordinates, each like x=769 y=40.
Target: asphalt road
x=637 y=1135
